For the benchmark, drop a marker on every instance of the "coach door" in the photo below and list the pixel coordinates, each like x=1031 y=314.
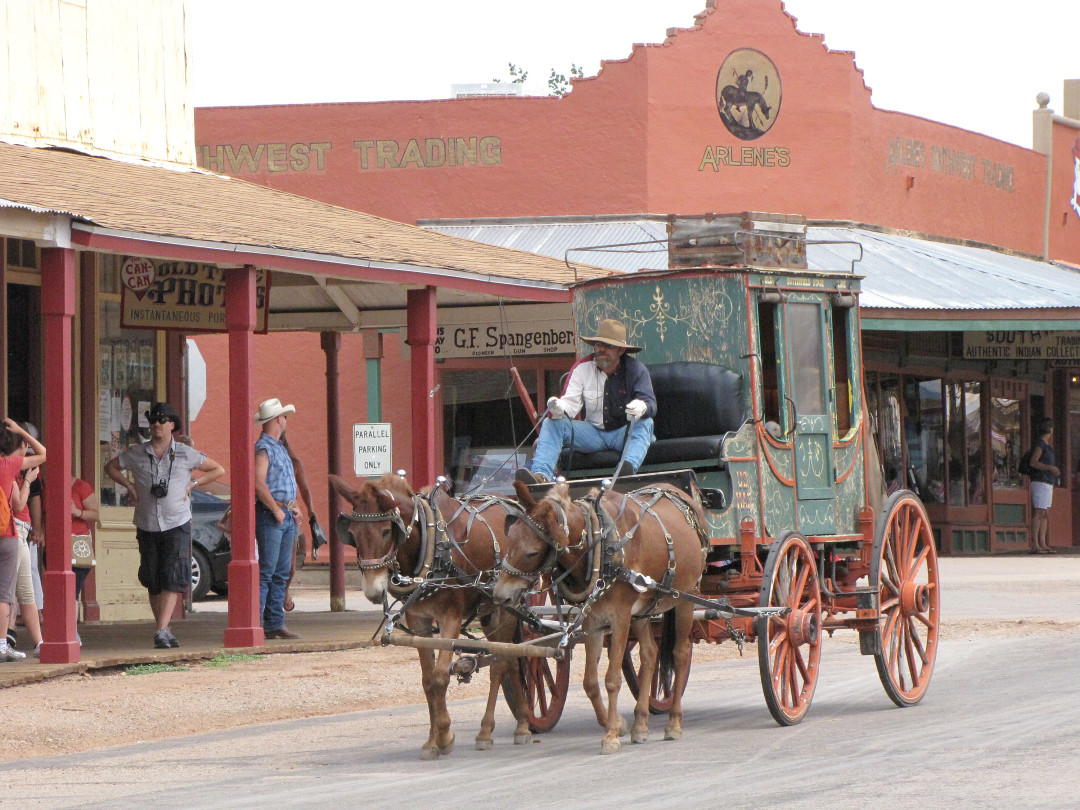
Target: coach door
x=809 y=417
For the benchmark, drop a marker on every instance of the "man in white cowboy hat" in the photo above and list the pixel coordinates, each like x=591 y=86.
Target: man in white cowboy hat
x=276 y=516
x=615 y=389
x=159 y=488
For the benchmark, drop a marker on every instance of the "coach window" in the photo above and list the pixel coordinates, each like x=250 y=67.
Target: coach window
x=770 y=377
x=127 y=377
x=843 y=392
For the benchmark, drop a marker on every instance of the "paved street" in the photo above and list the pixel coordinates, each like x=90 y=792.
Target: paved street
x=999 y=728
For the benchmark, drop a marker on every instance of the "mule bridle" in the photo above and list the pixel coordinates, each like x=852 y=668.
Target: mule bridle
x=553 y=547
x=398 y=527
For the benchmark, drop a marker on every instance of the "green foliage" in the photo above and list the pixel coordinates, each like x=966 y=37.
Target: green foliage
x=150 y=669
x=225 y=659
x=559 y=84
x=517 y=75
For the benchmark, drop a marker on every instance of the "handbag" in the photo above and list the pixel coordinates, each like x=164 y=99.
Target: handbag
x=82 y=551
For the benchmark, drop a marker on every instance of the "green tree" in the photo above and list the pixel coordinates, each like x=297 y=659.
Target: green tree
x=559 y=84
x=517 y=75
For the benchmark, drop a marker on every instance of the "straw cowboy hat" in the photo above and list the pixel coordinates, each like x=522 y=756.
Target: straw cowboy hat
x=613 y=333
x=272 y=409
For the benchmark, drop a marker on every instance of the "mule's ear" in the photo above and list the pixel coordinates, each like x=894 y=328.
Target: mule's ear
x=386 y=500
x=342 y=487
x=524 y=496
x=510 y=521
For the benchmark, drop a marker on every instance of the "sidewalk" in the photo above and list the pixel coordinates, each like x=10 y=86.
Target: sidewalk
x=201 y=636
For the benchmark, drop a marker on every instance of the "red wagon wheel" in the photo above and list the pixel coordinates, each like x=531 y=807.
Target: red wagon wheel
x=905 y=571
x=547 y=680
x=663 y=680
x=789 y=647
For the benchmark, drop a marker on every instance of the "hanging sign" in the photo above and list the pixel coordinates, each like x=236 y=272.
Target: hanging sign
x=184 y=296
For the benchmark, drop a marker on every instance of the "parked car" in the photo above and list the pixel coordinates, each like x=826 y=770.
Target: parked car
x=210 y=548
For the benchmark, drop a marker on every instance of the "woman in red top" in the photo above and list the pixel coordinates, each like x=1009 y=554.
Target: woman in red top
x=84 y=514
x=13 y=439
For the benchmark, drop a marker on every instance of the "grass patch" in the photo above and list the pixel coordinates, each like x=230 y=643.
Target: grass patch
x=226 y=659
x=149 y=669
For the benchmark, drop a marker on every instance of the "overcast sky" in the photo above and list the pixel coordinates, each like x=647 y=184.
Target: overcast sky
x=977 y=64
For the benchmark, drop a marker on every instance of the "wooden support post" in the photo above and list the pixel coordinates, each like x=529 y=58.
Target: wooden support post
x=58 y=580
x=244 y=627
x=422 y=326
x=88 y=388
x=331 y=345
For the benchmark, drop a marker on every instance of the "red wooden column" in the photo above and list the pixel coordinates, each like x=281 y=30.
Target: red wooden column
x=58 y=580
x=244 y=628
x=331 y=345
x=421 y=338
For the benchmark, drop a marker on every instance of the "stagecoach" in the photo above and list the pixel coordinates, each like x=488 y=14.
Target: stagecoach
x=757 y=367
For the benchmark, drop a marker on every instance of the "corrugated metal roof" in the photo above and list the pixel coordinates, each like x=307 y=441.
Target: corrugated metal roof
x=643 y=242
x=901 y=272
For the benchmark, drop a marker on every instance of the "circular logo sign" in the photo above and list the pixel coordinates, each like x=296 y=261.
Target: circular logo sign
x=137 y=274
x=748 y=93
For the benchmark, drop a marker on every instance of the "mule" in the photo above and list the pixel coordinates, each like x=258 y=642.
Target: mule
x=386 y=526
x=658 y=532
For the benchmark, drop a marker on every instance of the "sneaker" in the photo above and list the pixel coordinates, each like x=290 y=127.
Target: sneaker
x=282 y=632
x=161 y=640
x=172 y=639
x=527 y=476
x=11 y=654
x=37 y=650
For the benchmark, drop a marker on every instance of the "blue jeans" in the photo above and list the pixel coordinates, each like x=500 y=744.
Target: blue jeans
x=275 y=542
x=555 y=434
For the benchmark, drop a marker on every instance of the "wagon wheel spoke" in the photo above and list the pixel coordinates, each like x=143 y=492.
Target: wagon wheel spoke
x=546 y=683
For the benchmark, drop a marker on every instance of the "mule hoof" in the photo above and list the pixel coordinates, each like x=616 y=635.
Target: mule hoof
x=446 y=749
x=428 y=754
x=483 y=745
x=673 y=734
x=522 y=739
x=610 y=746
x=639 y=736
x=623 y=727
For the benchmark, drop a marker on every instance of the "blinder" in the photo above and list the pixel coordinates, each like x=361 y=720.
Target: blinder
x=397 y=528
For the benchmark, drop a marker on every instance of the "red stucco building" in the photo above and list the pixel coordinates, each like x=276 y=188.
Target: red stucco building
x=741 y=112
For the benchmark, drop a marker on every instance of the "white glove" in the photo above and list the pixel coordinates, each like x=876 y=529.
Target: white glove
x=635 y=409
x=556 y=410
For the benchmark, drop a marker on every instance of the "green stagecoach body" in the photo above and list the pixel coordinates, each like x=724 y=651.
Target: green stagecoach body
x=797 y=461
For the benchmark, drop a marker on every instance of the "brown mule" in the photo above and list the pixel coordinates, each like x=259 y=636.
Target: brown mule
x=385 y=527
x=644 y=522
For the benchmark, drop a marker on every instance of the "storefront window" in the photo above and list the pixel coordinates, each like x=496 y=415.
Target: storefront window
x=127 y=379
x=924 y=437
x=1005 y=441
x=883 y=405
x=964 y=414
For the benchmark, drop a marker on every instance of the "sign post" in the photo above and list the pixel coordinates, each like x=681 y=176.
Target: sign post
x=372 y=448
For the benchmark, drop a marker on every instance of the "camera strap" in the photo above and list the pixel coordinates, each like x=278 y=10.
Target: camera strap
x=168 y=478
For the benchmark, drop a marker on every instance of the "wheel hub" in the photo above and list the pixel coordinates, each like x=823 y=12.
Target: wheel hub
x=803 y=627
x=914 y=598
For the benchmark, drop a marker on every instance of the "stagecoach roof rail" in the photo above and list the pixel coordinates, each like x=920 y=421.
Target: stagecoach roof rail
x=610 y=248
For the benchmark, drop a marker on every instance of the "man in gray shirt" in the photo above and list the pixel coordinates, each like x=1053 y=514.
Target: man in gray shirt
x=159 y=487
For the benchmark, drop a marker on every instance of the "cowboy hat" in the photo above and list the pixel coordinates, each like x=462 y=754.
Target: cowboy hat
x=272 y=409
x=613 y=333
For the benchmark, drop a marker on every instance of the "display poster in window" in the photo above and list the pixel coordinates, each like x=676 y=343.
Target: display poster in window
x=186 y=296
